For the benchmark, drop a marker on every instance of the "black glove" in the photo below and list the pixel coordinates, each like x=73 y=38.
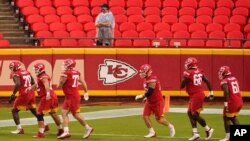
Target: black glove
x=12 y=97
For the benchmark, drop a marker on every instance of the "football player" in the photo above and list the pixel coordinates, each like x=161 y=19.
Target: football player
x=154 y=101
x=48 y=100
x=232 y=99
x=192 y=80
x=69 y=81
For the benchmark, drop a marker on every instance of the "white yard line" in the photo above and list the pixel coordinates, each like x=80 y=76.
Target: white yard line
x=111 y=114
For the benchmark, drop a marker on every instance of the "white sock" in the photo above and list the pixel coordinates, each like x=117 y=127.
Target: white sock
x=195 y=130
x=19 y=126
x=170 y=125
x=227 y=135
x=41 y=130
x=66 y=129
x=59 y=126
x=151 y=130
x=207 y=127
x=87 y=126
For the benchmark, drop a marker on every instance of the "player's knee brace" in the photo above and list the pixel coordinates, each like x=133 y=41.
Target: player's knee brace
x=40 y=118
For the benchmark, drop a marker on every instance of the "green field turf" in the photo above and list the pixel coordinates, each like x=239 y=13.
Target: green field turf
x=129 y=128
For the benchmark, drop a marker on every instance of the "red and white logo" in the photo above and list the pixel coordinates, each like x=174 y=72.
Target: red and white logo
x=114 y=71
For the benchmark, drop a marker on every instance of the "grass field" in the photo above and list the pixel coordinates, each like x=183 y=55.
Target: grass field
x=130 y=128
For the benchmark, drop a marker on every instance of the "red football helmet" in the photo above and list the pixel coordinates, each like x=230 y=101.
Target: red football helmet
x=145 y=70
x=191 y=62
x=39 y=68
x=69 y=63
x=223 y=72
x=15 y=66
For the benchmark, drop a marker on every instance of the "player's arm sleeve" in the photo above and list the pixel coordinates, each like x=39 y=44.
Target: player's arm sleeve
x=209 y=85
x=151 y=87
x=224 y=87
x=183 y=82
x=32 y=81
x=17 y=84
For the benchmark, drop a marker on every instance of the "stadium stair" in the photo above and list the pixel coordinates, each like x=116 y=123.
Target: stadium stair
x=10 y=26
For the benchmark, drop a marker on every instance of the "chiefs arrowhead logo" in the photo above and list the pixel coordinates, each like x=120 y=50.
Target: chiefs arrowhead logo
x=114 y=71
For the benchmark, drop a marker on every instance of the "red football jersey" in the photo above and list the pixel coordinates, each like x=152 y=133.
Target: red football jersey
x=233 y=88
x=25 y=81
x=70 y=87
x=41 y=87
x=156 y=96
x=194 y=83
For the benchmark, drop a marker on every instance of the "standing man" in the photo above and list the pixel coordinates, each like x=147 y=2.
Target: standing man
x=24 y=101
x=232 y=99
x=154 y=101
x=48 y=100
x=69 y=83
x=105 y=24
x=192 y=80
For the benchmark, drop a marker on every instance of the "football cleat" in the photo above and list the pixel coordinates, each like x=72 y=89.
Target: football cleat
x=64 y=136
x=39 y=135
x=225 y=139
x=209 y=133
x=172 y=131
x=194 y=137
x=88 y=132
x=46 y=128
x=18 y=131
x=150 y=135
x=60 y=131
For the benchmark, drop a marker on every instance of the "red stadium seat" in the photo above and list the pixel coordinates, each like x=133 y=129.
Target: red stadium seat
x=91 y=34
x=77 y=3
x=199 y=34
x=95 y=11
x=247 y=44
x=52 y=19
x=130 y=34
x=127 y=26
x=196 y=27
x=214 y=27
x=198 y=42
x=59 y=3
x=221 y=19
x=222 y=11
x=217 y=34
x=169 y=11
x=180 y=34
x=153 y=3
x=68 y=19
x=247 y=29
x=74 y=26
x=117 y=34
x=89 y=26
x=152 y=11
x=31 y=19
x=29 y=10
x=69 y=42
x=204 y=19
x=120 y=19
x=141 y=43
x=136 y=19
x=153 y=19
x=57 y=26
x=84 y=19
x=86 y=42
x=242 y=3
x=204 y=11
x=187 y=11
x=163 y=34
x=144 y=26
x=51 y=42
x=189 y=3
x=207 y=3
x=147 y=34
x=187 y=19
x=64 y=10
x=61 y=34
x=234 y=35
x=117 y=3
x=39 y=27
x=134 y=3
x=81 y=10
x=77 y=34
x=117 y=10
x=161 y=26
x=171 y=3
x=43 y=3
x=241 y=11
x=134 y=11
x=231 y=27
x=170 y=19
x=4 y=43
x=179 y=27
x=216 y=43
x=97 y=3
x=43 y=34
x=123 y=43
x=225 y=3
x=238 y=19
x=47 y=10
x=24 y=3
